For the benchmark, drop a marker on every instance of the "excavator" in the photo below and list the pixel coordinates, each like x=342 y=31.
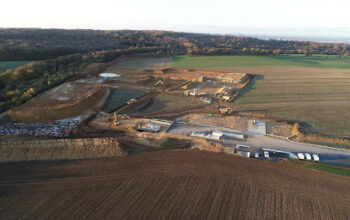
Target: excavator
x=117 y=118
x=116 y=121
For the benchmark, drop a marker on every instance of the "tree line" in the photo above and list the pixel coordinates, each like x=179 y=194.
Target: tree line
x=39 y=44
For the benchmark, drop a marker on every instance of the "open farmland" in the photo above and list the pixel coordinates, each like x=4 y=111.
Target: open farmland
x=154 y=63
x=5 y=65
x=171 y=185
x=321 y=61
x=317 y=97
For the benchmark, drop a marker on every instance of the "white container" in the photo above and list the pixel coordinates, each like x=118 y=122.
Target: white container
x=233 y=135
x=242 y=146
x=211 y=136
x=217 y=133
x=197 y=134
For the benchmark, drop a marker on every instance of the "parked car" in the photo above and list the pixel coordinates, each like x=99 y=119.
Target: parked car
x=315 y=157
x=308 y=156
x=301 y=156
x=266 y=154
x=256 y=155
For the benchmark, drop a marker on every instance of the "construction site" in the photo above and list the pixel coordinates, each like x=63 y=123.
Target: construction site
x=146 y=106
x=104 y=143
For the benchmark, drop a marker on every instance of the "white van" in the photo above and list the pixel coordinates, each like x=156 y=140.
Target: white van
x=315 y=157
x=308 y=156
x=300 y=156
x=266 y=154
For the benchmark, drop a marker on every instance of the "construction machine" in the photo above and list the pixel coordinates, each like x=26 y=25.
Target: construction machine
x=116 y=121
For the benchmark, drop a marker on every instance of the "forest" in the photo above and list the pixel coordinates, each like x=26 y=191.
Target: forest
x=39 y=44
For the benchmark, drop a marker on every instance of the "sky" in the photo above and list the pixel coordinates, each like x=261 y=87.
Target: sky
x=322 y=18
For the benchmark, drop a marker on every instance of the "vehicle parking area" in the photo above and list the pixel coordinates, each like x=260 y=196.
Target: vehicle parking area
x=277 y=148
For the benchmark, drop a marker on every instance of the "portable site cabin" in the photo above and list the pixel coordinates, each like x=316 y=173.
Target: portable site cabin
x=206 y=135
x=234 y=135
x=162 y=122
x=149 y=128
x=217 y=133
x=229 y=135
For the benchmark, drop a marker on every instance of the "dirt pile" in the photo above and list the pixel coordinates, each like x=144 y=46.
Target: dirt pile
x=60 y=149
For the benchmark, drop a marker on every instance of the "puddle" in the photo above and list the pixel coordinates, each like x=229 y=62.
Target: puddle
x=109 y=75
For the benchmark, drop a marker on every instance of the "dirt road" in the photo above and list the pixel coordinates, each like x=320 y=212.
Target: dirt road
x=170 y=185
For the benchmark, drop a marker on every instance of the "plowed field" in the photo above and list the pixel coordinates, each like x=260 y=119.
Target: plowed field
x=170 y=185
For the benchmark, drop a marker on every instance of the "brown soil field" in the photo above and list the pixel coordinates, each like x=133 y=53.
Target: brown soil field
x=190 y=74
x=141 y=79
x=170 y=185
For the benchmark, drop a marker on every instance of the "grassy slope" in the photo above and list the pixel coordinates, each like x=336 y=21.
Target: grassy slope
x=172 y=143
x=235 y=61
x=328 y=168
x=339 y=170
x=5 y=65
x=317 y=96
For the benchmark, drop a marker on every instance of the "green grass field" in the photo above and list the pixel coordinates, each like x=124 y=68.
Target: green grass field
x=246 y=61
x=145 y=62
x=286 y=88
x=172 y=143
x=339 y=170
x=5 y=65
x=328 y=168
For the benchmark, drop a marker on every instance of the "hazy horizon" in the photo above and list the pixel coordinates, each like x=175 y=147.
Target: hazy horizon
x=310 y=18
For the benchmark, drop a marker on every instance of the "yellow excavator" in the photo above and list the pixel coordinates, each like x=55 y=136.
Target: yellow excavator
x=116 y=121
